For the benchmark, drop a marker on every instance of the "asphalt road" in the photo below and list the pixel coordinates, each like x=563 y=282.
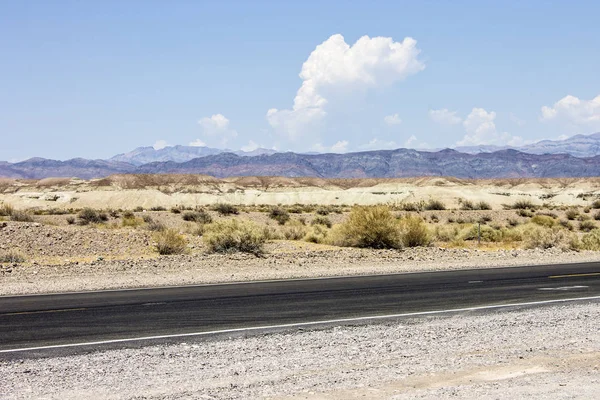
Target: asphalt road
x=43 y=320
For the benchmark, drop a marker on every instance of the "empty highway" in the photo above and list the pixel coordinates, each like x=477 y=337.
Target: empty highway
x=78 y=318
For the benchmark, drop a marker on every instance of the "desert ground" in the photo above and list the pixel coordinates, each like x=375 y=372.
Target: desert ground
x=60 y=235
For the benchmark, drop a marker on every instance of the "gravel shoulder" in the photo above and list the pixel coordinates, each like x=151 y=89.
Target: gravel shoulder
x=548 y=352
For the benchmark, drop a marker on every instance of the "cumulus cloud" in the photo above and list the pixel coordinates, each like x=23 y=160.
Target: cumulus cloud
x=340 y=146
x=444 y=117
x=160 y=144
x=393 y=119
x=481 y=130
x=197 y=143
x=378 y=144
x=410 y=141
x=575 y=111
x=218 y=126
x=251 y=146
x=370 y=62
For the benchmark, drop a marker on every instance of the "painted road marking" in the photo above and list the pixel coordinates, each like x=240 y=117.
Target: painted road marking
x=298 y=324
x=574 y=275
x=564 y=288
x=475 y=281
x=43 y=312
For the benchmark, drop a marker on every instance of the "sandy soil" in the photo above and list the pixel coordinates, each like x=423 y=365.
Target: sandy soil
x=544 y=353
x=129 y=191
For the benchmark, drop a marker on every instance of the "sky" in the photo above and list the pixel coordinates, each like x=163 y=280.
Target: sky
x=96 y=78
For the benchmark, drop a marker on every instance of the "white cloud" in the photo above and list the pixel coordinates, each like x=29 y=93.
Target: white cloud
x=251 y=146
x=340 y=147
x=444 y=117
x=378 y=144
x=197 y=143
x=393 y=119
x=575 y=111
x=412 y=139
x=370 y=62
x=481 y=130
x=517 y=120
x=218 y=126
x=160 y=144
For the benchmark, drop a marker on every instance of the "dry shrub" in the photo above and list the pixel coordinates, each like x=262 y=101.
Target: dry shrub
x=414 y=232
x=294 y=230
x=21 y=216
x=232 y=236
x=226 y=209
x=370 y=226
x=169 y=242
x=543 y=220
x=279 y=214
x=446 y=233
x=319 y=220
x=488 y=234
x=572 y=214
x=436 y=205
x=272 y=233
x=587 y=226
x=523 y=205
x=591 y=240
x=6 y=210
x=155 y=226
x=11 y=256
x=200 y=216
x=320 y=234
x=595 y=204
x=545 y=238
x=90 y=216
x=132 y=222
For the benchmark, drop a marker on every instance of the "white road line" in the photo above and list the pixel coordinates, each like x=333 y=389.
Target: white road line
x=475 y=281
x=297 y=325
x=563 y=288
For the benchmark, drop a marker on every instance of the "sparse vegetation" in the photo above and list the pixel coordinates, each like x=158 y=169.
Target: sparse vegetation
x=199 y=216
x=523 y=205
x=543 y=220
x=12 y=257
x=90 y=216
x=226 y=209
x=230 y=236
x=320 y=220
x=6 y=210
x=169 y=241
x=294 y=230
x=370 y=226
x=279 y=214
x=572 y=214
x=414 y=232
x=587 y=226
x=435 y=205
x=21 y=216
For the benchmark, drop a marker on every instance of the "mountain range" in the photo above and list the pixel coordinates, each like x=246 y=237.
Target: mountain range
x=578 y=156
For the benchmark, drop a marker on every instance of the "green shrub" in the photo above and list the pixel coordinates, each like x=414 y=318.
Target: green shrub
x=169 y=242
x=414 y=232
x=200 y=216
x=545 y=238
x=488 y=234
x=11 y=256
x=279 y=214
x=158 y=208
x=543 y=220
x=371 y=226
x=412 y=206
x=319 y=220
x=466 y=204
x=21 y=216
x=323 y=211
x=234 y=236
x=226 y=209
x=446 y=233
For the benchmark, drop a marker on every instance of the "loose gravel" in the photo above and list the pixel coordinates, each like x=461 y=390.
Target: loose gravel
x=550 y=352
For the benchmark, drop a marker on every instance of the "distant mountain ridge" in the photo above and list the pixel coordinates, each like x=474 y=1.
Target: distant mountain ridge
x=543 y=159
x=145 y=155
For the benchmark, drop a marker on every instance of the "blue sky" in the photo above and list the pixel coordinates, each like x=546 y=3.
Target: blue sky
x=93 y=79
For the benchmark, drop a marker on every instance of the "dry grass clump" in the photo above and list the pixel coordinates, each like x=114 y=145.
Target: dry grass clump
x=153 y=225
x=469 y=205
x=370 y=226
x=414 y=232
x=199 y=216
x=12 y=257
x=279 y=214
x=539 y=237
x=232 y=236
x=320 y=234
x=169 y=241
x=130 y=220
x=226 y=209
x=90 y=216
x=572 y=214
